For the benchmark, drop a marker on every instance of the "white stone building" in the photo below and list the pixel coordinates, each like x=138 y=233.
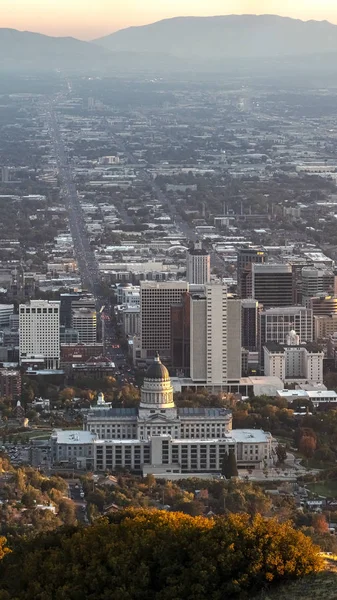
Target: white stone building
x=39 y=332
x=294 y=362
x=160 y=438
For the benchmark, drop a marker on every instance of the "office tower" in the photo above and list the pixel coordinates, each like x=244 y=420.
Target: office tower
x=131 y=320
x=6 y=311
x=323 y=305
x=10 y=384
x=5 y=174
x=325 y=326
x=250 y=323
x=84 y=320
x=215 y=337
x=272 y=285
x=156 y=299
x=276 y=323
x=198 y=265
x=316 y=282
x=68 y=336
x=180 y=336
x=248 y=255
x=40 y=331
x=66 y=306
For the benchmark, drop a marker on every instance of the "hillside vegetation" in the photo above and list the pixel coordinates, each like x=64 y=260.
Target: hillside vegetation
x=157 y=555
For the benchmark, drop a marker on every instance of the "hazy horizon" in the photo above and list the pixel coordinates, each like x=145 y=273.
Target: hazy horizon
x=86 y=20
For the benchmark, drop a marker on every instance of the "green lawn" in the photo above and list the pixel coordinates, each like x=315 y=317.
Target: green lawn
x=324 y=488
x=322 y=586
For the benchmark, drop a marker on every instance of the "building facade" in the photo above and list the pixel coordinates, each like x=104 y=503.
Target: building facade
x=246 y=256
x=84 y=321
x=39 y=332
x=294 y=362
x=272 y=285
x=160 y=438
x=215 y=336
x=276 y=323
x=316 y=282
x=198 y=265
x=156 y=300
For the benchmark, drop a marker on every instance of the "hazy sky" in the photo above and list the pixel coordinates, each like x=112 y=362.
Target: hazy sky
x=88 y=19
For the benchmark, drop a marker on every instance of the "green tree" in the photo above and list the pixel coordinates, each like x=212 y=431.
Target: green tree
x=229 y=467
x=281 y=453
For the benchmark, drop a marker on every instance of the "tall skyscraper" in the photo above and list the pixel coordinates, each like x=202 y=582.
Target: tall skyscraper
x=84 y=320
x=247 y=255
x=156 y=300
x=323 y=305
x=198 y=265
x=250 y=324
x=276 y=323
x=39 y=333
x=6 y=312
x=66 y=306
x=316 y=282
x=181 y=335
x=215 y=337
x=272 y=285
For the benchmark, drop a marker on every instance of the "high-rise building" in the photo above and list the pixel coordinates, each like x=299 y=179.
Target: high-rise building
x=156 y=299
x=10 y=384
x=272 y=285
x=198 y=265
x=181 y=335
x=84 y=320
x=250 y=324
x=215 y=337
x=6 y=311
x=323 y=305
x=276 y=323
x=325 y=326
x=316 y=282
x=66 y=306
x=246 y=256
x=40 y=331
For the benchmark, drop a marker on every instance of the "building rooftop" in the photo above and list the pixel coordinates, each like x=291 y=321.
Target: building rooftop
x=73 y=436
x=252 y=436
x=203 y=412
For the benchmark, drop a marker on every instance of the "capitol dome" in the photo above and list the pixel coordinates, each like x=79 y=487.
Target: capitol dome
x=157 y=390
x=157 y=370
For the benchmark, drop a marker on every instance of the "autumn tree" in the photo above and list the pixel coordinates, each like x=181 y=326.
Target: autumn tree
x=307 y=446
x=159 y=555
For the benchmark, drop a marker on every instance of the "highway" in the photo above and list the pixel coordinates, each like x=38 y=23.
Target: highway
x=87 y=264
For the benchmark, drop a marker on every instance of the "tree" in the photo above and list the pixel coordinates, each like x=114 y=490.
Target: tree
x=307 y=446
x=157 y=554
x=281 y=453
x=320 y=524
x=229 y=468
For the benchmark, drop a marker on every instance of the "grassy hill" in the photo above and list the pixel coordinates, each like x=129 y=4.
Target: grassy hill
x=315 y=587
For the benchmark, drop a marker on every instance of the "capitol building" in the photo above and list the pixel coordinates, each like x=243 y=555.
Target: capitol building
x=159 y=438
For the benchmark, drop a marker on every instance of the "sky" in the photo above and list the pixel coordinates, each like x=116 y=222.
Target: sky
x=88 y=19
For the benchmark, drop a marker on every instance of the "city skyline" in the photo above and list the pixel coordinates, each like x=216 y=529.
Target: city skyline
x=85 y=20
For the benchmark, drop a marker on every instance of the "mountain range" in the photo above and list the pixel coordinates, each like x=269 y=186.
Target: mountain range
x=182 y=43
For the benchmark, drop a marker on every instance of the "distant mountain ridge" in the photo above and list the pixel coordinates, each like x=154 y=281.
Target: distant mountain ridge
x=249 y=44
x=232 y=36
x=20 y=49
